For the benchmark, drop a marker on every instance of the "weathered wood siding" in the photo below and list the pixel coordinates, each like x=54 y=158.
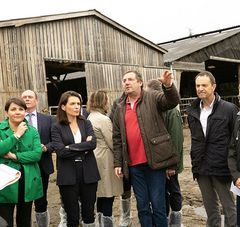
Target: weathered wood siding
x=228 y=48
x=110 y=77
x=24 y=47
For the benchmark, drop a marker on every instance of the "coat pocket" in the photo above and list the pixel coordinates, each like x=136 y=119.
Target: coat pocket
x=163 y=152
x=160 y=139
x=33 y=182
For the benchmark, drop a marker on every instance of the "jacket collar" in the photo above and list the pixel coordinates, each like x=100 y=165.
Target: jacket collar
x=5 y=124
x=123 y=98
x=196 y=102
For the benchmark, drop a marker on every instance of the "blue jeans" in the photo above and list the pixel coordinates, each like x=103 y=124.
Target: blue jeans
x=149 y=189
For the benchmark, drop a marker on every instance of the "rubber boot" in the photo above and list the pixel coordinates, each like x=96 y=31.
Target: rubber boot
x=3 y=223
x=80 y=211
x=175 y=219
x=125 y=216
x=98 y=219
x=42 y=219
x=88 y=225
x=63 y=218
x=107 y=221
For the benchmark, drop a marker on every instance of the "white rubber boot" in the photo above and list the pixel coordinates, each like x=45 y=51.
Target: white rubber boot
x=175 y=219
x=3 y=223
x=63 y=218
x=125 y=217
x=88 y=225
x=42 y=219
x=107 y=221
x=98 y=219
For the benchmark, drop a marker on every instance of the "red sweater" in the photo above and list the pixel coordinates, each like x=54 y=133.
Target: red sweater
x=136 y=148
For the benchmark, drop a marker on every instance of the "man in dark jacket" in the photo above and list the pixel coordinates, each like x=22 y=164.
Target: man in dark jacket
x=125 y=199
x=211 y=121
x=142 y=145
x=43 y=124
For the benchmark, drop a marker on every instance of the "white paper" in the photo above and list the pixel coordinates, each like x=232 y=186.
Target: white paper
x=235 y=189
x=8 y=175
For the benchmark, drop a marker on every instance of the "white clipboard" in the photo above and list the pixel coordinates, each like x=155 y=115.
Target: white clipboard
x=8 y=176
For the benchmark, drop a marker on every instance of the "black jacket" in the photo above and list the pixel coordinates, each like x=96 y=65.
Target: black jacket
x=45 y=123
x=66 y=172
x=234 y=151
x=210 y=154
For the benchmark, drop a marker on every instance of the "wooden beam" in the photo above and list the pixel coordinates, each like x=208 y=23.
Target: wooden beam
x=224 y=59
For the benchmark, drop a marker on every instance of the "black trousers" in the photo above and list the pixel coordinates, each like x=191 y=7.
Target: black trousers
x=41 y=203
x=126 y=188
x=24 y=209
x=70 y=195
x=173 y=194
x=104 y=205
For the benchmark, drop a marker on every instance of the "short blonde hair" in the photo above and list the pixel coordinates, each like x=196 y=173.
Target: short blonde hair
x=98 y=101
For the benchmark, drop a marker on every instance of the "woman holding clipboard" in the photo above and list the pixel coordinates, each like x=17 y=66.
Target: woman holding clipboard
x=20 y=148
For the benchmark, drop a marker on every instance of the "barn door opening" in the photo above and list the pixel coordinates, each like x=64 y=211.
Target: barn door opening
x=187 y=84
x=63 y=76
x=226 y=74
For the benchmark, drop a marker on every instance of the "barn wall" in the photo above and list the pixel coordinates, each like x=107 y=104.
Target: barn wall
x=227 y=48
x=99 y=76
x=23 y=49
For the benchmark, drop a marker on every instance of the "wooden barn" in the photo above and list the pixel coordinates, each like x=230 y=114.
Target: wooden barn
x=216 y=51
x=81 y=51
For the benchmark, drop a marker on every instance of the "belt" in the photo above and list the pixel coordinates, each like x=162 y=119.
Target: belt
x=78 y=159
x=81 y=158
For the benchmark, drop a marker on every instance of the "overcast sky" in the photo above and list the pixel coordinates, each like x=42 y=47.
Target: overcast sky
x=156 y=20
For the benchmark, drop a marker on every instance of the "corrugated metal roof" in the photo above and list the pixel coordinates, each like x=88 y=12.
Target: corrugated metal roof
x=63 y=16
x=185 y=46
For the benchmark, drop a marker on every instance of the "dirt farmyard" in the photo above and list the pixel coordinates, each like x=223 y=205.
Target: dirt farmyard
x=192 y=211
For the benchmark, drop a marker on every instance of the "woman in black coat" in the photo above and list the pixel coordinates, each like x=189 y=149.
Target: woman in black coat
x=77 y=173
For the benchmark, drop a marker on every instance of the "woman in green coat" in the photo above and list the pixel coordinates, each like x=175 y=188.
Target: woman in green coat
x=20 y=148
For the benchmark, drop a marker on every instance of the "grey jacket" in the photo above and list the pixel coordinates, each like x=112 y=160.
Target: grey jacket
x=159 y=150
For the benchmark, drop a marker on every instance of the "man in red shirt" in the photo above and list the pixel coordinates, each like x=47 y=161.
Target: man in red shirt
x=142 y=145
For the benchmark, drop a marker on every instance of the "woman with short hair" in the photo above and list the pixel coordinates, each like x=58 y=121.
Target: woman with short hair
x=20 y=148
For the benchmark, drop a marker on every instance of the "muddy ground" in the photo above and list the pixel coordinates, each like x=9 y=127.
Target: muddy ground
x=193 y=212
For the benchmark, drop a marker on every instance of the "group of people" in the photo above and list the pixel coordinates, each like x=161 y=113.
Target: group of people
x=143 y=148
x=101 y=156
